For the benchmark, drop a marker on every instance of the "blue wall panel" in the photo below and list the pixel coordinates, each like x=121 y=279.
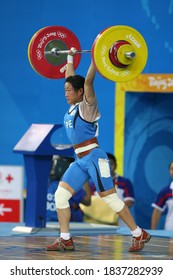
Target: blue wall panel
x=148 y=148
x=26 y=97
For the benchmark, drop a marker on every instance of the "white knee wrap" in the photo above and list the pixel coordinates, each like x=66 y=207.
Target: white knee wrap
x=62 y=197
x=114 y=202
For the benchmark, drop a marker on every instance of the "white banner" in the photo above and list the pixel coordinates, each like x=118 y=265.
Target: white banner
x=11 y=182
x=11 y=193
x=87 y=269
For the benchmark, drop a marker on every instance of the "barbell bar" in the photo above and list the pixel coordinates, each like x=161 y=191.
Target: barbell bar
x=118 y=52
x=57 y=52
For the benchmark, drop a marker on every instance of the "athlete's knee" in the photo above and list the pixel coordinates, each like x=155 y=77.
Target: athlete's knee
x=114 y=202
x=62 y=197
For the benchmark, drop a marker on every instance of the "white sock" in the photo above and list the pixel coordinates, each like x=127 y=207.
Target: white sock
x=65 y=235
x=137 y=232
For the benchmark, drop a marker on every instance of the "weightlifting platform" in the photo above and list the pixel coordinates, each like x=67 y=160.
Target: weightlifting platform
x=92 y=242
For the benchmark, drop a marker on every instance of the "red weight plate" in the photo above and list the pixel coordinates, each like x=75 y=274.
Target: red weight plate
x=46 y=39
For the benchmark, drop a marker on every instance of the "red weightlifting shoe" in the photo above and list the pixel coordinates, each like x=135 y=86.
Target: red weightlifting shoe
x=139 y=242
x=61 y=244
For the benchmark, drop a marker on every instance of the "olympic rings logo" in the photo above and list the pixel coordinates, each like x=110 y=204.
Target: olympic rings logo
x=103 y=50
x=39 y=54
x=61 y=35
x=125 y=73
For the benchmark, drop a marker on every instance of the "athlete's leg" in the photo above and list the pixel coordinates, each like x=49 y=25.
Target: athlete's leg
x=63 y=194
x=71 y=182
x=100 y=173
x=128 y=219
x=140 y=236
x=111 y=198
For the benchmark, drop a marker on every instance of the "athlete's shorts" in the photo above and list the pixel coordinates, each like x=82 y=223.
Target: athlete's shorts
x=94 y=166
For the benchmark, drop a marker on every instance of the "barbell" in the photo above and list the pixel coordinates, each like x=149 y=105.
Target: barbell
x=119 y=52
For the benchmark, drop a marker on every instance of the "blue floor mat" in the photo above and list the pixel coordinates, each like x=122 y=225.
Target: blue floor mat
x=52 y=229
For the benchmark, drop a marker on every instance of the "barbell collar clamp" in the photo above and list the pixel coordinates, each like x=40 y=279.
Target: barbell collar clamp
x=130 y=54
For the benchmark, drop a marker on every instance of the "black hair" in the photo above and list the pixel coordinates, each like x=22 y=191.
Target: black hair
x=76 y=81
x=112 y=157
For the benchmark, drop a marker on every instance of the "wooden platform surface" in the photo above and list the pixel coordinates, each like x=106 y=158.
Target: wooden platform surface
x=97 y=247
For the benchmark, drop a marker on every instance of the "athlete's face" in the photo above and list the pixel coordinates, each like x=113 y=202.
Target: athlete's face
x=71 y=95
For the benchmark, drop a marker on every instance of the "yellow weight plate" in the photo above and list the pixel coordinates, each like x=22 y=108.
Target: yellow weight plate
x=100 y=53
